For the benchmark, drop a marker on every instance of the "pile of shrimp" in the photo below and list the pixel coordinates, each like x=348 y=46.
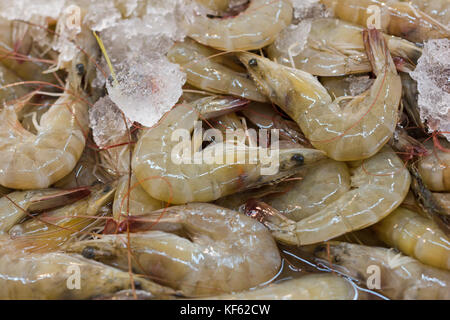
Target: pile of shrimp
x=358 y=208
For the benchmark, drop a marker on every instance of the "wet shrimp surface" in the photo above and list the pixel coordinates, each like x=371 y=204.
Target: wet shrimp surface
x=225 y=150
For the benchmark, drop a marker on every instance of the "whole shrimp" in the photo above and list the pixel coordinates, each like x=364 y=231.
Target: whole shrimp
x=335 y=48
x=198 y=248
x=47 y=276
x=402 y=277
x=397 y=18
x=252 y=29
x=379 y=186
x=434 y=168
x=165 y=180
x=416 y=236
x=355 y=131
x=320 y=185
x=308 y=287
x=212 y=74
x=51 y=153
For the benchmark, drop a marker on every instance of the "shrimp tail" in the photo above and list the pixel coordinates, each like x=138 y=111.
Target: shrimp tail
x=377 y=51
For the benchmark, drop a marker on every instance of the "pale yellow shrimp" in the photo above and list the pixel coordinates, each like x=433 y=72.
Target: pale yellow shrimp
x=199 y=249
x=316 y=187
x=379 y=186
x=402 y=277
x=397 y=18
x=308 y=287
x=416 y=236
x=211 y=74
x=216 y=5
x=355 y=131
x=131 y=199
x=52 y=229
x=18 y=205
x=47 y=276
x=335 y=48
x=434 y=168
x=156 y=155
x=252 y=29
x=51 y=153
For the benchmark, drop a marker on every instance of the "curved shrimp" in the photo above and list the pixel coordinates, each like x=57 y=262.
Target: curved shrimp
x=165 y=180
x=17 y=205
x=434 y=168
x=308 y=287
x=131 y=199
x=199 y=249
x=53 y=152
x=336 y=48
x=212 y=74
x=397 y=18
x=379 y=186
x=46 y=276
x=252 y=29
x=353 y=132
x=320 y=185
x=402 y=277
x=415 y=236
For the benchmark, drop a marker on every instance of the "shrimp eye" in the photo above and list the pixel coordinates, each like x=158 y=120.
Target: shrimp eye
x=298 y=158
x=80 y=69
x=88 y=253
x=252 y=63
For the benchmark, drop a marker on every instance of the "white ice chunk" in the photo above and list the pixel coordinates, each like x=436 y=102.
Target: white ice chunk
x=358 y=84
x=433 y=82
x=294 y=38
x=147 y=89
x=107 y=122
x=304 y=9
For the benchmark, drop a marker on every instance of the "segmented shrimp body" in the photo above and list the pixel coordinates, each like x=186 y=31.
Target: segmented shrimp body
x=47 y=276
x=416 y=236
x=252 y=29
x=308 y=287
x=397 y=18
x=198 y=249
x=165 y=180
x=402 y=277
x=355 y=131
x=335 y=48
x=212 y=74
x=379 y=186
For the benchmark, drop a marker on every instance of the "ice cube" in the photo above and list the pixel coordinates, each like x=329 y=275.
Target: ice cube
x=433 y=82
x=147 y=88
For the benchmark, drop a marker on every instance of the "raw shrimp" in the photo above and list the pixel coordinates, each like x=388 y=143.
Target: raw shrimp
x=16 y=206
x=415 y=236
x=438 y=9
x=308 y=287
x=379 y=186
x=51 y=229
x=53 y=152
x=355 y=131
x=252 y=29
x=165 y=180
x=402 y=277
x=199 y=249
x=434 y=168
x=48 y=276
x=397 y=18
x=320 y=185
x=212 y=74
x=335 y=47
x=140 y=202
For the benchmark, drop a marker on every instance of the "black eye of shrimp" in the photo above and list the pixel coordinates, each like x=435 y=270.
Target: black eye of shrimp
x=252 y=63
x=80 y=69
